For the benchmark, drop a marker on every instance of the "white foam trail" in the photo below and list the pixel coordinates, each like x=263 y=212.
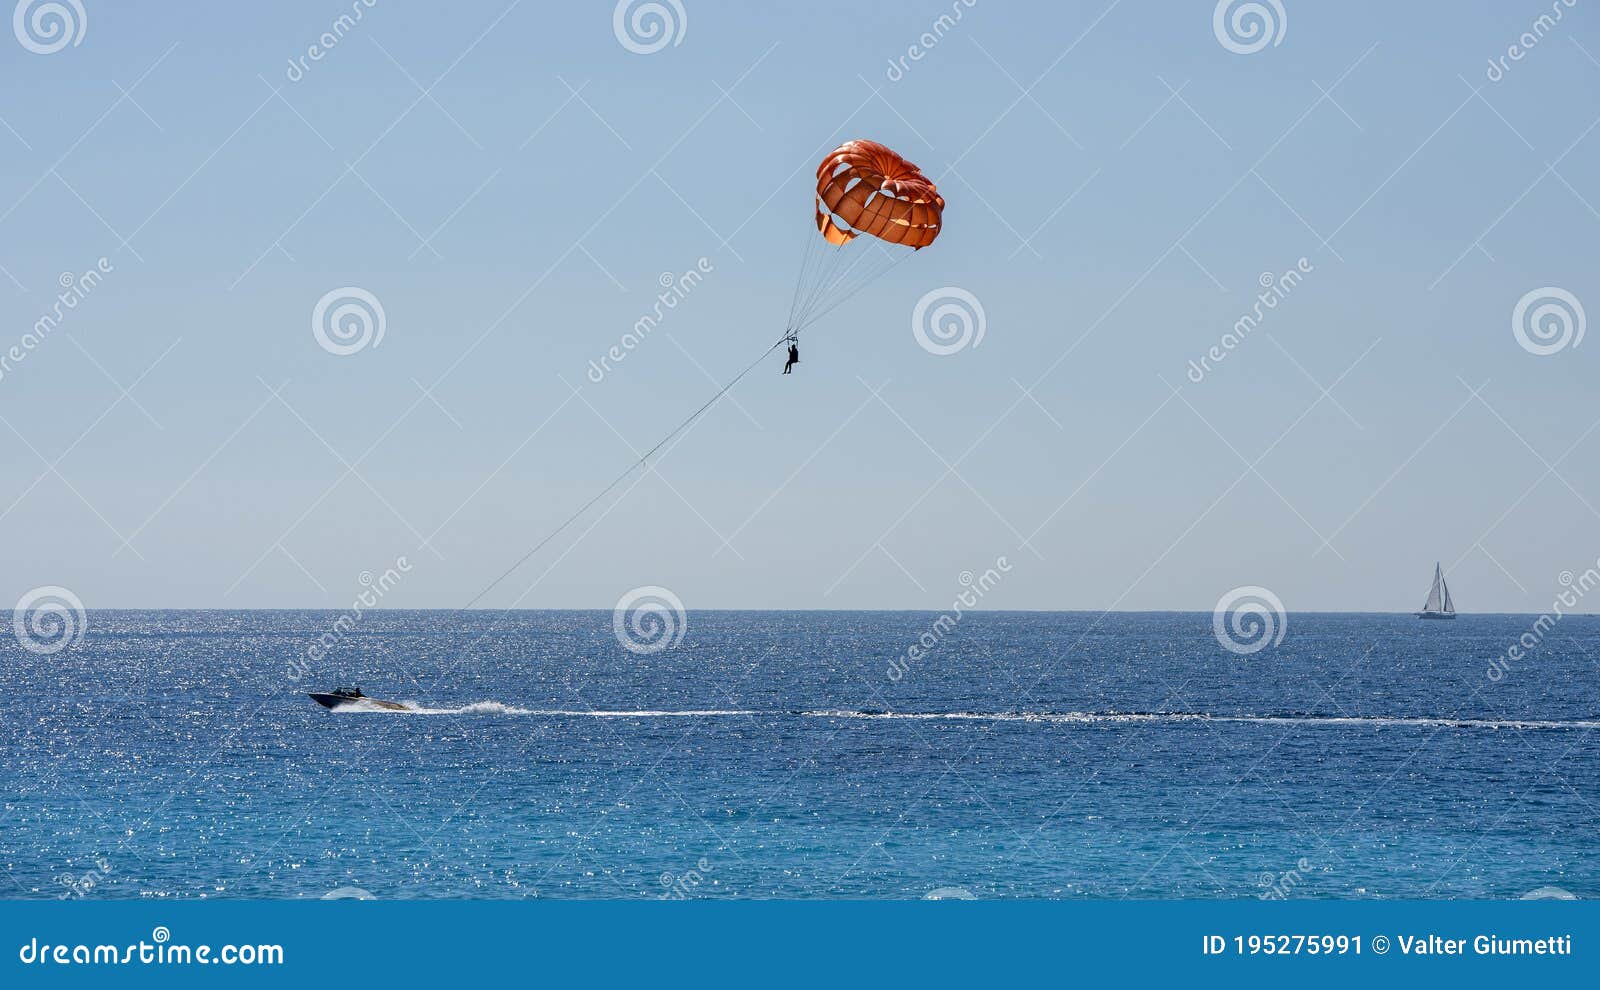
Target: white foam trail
x=365 y=706
x=360 y=706
x=1115 y=717
x=476 y=708
x=1064 y=718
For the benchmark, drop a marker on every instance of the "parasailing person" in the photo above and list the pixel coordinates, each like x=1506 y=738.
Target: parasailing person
x=863 y=187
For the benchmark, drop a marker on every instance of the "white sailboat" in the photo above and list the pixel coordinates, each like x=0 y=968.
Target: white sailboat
x=1438 y=605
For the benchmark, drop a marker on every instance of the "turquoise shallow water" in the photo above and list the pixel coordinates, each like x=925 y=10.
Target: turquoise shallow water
x=172 y=754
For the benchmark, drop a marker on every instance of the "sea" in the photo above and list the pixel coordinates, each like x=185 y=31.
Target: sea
x=746 y=754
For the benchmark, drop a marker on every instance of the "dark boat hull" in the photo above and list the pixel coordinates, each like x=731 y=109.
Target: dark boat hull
x=1436 y=615
x=343 y=701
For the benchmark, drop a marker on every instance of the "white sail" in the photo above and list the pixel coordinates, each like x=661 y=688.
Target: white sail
x=1438 y=605
x=1435 y=601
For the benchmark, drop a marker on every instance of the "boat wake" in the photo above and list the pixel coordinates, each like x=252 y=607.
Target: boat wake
x=366 y=707
x=1063 y=718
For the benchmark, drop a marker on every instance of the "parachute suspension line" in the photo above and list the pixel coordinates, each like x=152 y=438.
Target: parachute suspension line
x=633 y=466
x=862 y=267
x=836 y=274
x=829 y=278
x=841 y=268
x=819 y=278
x=877 y=268
x=813 y=267
x=842 y=299
x=863 y=271
x=824 y=260
x=810 y=262
x=871 y=273
x=805 y=261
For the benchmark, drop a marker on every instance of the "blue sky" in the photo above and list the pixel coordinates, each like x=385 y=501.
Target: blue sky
x=511 y=181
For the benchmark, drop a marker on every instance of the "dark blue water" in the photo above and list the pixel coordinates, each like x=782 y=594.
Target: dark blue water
x=171 y=754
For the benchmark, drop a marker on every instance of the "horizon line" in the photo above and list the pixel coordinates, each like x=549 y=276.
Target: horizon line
x=969 y=611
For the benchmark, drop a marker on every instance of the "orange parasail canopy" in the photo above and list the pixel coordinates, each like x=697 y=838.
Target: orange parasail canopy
x=866 y=188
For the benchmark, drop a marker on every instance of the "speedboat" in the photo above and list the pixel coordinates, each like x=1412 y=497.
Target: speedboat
x=351 y=697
